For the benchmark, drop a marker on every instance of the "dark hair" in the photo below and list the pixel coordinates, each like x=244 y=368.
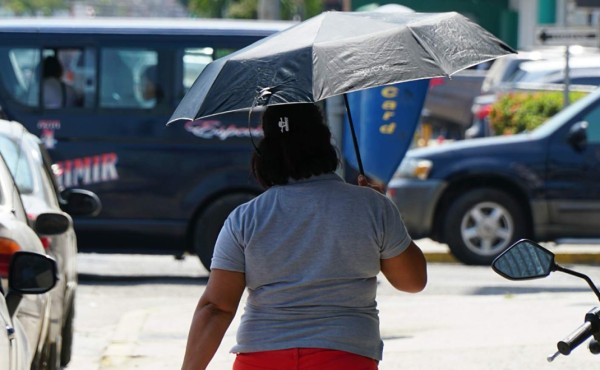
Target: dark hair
x=150 y=73
x=296 y=144
x=52 y=67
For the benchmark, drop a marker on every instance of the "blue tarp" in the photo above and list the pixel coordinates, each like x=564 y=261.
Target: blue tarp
x=385 y=119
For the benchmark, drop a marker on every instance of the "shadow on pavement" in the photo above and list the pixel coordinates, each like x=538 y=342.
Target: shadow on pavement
x=124 y=280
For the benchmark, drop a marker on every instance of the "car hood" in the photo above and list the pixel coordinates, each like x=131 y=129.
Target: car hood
x=479 y=146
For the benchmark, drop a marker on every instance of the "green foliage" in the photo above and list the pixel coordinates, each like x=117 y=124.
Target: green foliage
x=247 y=9
x=35 y=7
x=242 y=9
x=207 y=8
x=523 y=111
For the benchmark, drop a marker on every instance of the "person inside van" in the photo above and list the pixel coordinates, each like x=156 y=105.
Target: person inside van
x=56 y=93
x=150 y=89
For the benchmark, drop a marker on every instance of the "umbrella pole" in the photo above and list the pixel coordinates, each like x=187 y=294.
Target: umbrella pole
x=354 y=140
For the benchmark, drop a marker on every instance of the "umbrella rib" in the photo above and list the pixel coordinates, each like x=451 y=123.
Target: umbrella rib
x=312 y=51
x=430 y=51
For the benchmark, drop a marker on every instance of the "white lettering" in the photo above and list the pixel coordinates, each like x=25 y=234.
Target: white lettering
x=48 y=124
x=216 y=129
x=87 y=170
x=109 y=167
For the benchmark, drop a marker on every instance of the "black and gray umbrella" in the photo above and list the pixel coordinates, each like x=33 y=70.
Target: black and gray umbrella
x=335 y=53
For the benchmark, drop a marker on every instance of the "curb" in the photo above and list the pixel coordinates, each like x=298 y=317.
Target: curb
x=560 y=257
x=440 y=257
x=578 y=258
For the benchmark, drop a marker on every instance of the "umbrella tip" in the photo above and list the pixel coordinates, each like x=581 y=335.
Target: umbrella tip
x=178 y=119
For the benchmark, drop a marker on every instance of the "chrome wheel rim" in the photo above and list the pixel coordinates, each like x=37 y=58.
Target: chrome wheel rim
x=487 y=228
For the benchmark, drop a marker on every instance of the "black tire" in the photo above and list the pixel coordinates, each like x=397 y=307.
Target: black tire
x=53 y=358
x=49 y=359
x=482 y=223
x=67 y=335
x=209 y=223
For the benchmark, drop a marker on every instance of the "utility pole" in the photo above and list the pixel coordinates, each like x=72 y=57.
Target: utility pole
x=567 y=82
x=347 y=5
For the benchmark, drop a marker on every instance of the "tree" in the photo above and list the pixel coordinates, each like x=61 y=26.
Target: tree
x=290 y=9
x=208 y=8
x=35 y=7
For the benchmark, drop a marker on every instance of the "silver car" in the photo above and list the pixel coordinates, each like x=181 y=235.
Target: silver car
x=14 y=348
x=16 y=234
x=31 y=167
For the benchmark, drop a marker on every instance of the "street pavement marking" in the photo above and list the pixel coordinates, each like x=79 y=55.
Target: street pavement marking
x=122 y=346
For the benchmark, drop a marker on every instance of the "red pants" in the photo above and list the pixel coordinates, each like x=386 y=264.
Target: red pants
x=303 y=359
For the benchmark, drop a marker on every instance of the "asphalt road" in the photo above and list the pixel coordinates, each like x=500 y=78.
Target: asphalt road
x=133 y=312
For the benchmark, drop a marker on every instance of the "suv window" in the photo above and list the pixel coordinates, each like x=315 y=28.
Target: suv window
x=593 y=130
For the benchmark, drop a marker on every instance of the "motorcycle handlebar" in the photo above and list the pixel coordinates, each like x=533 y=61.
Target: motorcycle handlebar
x=574 y=339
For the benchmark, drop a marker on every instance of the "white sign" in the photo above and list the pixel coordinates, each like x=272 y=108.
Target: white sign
x=556 y=36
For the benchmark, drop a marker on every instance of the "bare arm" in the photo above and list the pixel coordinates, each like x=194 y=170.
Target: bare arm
x=214 y=313
x=407 y=271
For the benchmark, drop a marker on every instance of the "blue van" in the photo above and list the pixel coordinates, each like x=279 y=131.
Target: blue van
x=98 y=92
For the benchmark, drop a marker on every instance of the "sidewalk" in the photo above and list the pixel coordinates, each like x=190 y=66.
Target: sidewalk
x=160 y=327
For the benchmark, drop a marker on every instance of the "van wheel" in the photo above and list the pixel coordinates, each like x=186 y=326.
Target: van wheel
x=209 y=224
x=67 y=335
x=482 y=223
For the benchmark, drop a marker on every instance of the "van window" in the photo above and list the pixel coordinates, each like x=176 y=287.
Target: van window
x=195 y=59
x=64 y=79
x=18 y=74
x=124 y=76
x=65 y=75
x=128 y=77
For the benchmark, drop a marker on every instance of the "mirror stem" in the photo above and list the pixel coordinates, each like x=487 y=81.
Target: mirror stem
x=12 y=302
x=580 y=275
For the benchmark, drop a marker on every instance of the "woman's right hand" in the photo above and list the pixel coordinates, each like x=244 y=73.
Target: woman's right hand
x=363 y=181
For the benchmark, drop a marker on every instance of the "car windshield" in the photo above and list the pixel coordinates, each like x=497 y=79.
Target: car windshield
x=18 y=165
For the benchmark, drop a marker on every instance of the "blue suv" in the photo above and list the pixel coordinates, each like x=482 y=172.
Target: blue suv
x=478 y=196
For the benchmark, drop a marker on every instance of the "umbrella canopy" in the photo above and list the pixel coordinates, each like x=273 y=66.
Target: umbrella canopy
x=339 y=52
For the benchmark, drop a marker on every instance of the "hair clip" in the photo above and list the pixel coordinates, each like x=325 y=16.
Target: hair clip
x=284 y=124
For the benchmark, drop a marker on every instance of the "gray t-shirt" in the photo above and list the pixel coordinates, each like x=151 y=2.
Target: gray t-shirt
x=311 y=251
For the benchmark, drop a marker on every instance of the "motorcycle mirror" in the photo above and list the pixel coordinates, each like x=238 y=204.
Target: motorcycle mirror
x=524 y=260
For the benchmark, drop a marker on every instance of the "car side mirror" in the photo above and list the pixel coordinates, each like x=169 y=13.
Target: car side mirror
x=51 y=223
x=578 y=136
x=29 y=273
x=524 y=260
x=80 y=202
